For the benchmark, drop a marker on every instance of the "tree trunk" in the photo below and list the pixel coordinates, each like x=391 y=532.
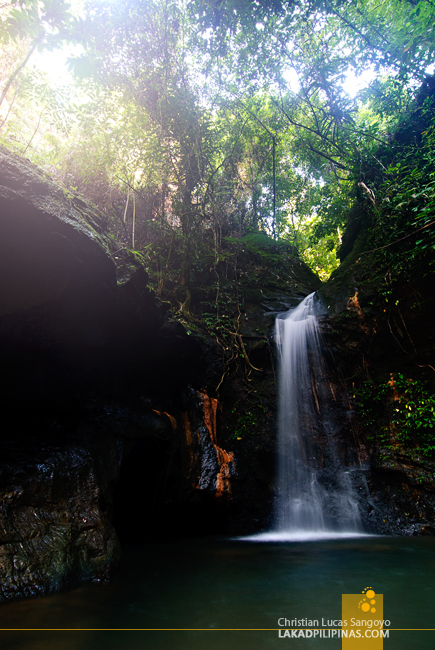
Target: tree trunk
x=133 y=228
x=17 y=71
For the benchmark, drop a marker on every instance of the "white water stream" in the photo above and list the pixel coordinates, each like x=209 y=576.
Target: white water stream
x=315 y=495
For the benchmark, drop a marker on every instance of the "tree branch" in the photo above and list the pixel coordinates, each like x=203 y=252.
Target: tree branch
x=17 y=70
x=324 y=155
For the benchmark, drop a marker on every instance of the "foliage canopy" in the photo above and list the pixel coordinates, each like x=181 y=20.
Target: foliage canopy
x=192 y=122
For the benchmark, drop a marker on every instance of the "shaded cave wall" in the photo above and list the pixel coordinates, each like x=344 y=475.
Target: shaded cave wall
x=91 y=361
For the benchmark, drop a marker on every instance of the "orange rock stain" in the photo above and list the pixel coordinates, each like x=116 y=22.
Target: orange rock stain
x=225 y=458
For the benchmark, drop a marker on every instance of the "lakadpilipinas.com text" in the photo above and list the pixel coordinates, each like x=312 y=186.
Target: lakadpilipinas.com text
x=306 y=628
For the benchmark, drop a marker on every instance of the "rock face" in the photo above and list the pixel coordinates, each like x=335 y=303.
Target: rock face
x=376 y=333
x=115 y=427
x=74 y=313
x=186 y=488
x=54 y=520
x=272 y=280
x=86 y=352
x=114 y=434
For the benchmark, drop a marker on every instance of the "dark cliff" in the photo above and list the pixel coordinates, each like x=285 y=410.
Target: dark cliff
x=382 y=342
x=381 y=309
x=86 y=352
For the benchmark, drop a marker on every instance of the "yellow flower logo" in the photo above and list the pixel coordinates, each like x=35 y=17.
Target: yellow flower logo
x=367 y=603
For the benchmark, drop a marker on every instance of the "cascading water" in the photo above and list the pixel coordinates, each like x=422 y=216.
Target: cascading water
x=311 y=499
x=315 y=495
x=300 y=502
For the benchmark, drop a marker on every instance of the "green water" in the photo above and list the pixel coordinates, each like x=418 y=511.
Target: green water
x=218 y=584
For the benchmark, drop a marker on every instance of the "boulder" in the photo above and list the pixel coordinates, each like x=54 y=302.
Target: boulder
x=55 y=528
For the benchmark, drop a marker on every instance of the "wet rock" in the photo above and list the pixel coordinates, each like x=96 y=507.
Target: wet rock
x=54 y=516
x=428 y=530
x=179 y=483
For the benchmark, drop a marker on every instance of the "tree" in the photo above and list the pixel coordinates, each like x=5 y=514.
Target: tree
x=186 y=127
x=35 y=24
x=137 y=49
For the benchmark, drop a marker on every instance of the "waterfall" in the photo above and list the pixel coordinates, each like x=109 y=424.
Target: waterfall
x=315 y=495
x=314 y=492
x=300 y=498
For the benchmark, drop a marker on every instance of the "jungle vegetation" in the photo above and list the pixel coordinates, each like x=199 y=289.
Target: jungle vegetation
x=207 y=128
